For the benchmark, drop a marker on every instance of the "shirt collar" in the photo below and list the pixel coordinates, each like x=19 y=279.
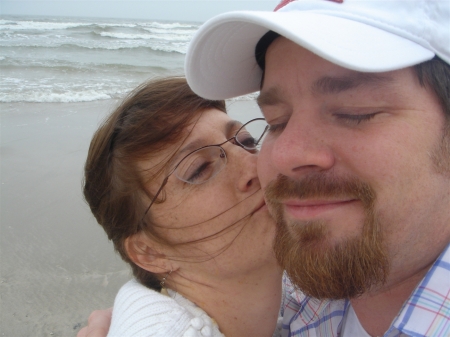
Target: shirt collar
x=427 y=311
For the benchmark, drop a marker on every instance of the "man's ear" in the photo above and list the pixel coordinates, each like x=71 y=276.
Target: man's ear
x=147 y=254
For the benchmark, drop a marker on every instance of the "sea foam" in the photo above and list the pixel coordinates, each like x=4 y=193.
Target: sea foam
x=74 y=60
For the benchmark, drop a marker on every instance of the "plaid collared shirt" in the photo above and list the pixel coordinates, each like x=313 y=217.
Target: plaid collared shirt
x=425 y=313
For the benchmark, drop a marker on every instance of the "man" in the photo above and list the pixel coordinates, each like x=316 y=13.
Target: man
x=356 y=164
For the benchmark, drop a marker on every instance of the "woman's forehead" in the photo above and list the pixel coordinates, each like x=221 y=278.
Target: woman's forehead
x=211 y=118
x=214 y=126
x=209 y=128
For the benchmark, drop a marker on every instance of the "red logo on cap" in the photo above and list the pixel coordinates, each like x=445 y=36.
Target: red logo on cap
x=285 y=2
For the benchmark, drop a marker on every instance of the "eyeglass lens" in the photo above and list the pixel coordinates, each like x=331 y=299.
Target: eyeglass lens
x=251 y=135
x=201 y=165
x=205 y=163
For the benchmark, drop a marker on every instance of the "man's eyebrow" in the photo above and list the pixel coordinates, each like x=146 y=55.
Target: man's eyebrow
x=335 y=85
x=269 y=97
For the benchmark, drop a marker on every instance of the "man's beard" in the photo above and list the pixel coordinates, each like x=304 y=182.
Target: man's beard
x=316 y=265
x=441 y=154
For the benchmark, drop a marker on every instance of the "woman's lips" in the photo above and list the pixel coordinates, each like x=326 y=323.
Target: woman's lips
x=308 y=209
x=262 y=206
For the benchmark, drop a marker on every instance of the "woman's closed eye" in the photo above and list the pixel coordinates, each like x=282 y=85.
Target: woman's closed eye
x=195 y=169
x=198 y=172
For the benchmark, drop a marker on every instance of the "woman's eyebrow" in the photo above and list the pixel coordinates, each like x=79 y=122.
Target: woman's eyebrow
x=192 y=146
x=230 y=129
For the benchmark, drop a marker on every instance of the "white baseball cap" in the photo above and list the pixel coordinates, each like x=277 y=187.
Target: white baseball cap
x=362 y=35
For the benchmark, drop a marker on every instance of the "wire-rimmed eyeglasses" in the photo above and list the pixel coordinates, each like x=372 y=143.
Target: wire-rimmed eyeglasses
x=206 y=162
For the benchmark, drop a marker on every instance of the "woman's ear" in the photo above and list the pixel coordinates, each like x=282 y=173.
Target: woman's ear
x=147 y=254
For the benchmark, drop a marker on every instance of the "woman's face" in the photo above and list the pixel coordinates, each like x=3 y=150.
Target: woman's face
x=222 y=223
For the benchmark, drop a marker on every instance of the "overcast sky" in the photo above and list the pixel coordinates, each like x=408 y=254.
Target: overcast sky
x=173 y=10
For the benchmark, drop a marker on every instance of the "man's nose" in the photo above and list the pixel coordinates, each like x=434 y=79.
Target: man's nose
x=302 y=147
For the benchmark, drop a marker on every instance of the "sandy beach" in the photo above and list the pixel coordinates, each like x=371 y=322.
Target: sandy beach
x=56 y=262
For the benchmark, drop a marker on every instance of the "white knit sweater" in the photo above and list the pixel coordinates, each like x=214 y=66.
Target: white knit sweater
x=142 y=312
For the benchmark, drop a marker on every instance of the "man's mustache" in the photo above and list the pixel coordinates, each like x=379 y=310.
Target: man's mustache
x=319 y=185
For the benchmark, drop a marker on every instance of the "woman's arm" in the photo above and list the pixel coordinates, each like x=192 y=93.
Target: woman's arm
x=98 y=324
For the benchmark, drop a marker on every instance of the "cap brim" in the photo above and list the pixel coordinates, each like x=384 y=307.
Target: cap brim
x=220 y=62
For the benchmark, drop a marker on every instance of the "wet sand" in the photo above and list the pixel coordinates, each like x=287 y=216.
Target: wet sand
x=56 y=264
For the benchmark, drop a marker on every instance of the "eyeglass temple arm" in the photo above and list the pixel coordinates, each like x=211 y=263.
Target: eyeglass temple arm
x=156 y=195
x=262 y=135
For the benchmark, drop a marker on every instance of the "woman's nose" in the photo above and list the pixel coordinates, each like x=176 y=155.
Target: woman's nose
x=247 y=179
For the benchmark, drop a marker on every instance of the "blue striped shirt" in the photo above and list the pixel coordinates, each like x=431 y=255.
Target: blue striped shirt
x=425 y=313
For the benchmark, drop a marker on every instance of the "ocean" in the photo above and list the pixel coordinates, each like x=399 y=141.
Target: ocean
x=59 y=59
x=59 y=79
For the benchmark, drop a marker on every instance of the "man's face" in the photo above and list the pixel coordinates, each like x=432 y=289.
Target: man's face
x=349 y=168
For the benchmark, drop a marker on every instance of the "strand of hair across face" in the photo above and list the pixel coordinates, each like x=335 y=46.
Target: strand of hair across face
x=219 y=214
x=211 y=237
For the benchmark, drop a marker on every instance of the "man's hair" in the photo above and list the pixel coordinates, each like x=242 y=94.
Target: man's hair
x=433 y=74
x=153 y=117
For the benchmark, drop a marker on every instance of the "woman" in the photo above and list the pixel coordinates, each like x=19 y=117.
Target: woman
x=172 y=180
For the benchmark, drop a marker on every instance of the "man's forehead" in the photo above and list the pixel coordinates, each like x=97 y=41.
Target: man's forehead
x=330 y=77
x=283 y=52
